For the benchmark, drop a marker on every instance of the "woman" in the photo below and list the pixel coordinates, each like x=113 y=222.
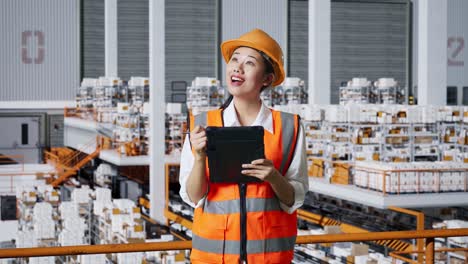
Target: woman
x=255 y=222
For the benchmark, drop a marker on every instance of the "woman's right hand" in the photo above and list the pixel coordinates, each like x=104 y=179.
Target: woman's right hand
x=198 y=140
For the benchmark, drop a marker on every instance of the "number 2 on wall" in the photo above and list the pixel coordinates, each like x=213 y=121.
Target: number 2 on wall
x=26 y=36
x=455 y=46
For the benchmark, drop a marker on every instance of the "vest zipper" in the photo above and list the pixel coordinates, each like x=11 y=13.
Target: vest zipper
x=243 y=223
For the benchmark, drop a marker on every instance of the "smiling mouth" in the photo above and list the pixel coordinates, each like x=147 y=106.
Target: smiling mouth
x=236 y=80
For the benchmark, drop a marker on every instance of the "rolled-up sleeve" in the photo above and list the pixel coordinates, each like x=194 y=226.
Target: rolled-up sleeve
x=297 y=174
x=186 y=164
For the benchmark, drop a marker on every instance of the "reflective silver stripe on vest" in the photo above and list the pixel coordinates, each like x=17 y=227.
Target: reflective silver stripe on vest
x=200 y=119
x=287 y=125
x=233 y=206
x=233 y=246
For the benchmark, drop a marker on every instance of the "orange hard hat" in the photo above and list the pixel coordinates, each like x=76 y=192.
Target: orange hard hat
x=261 y=41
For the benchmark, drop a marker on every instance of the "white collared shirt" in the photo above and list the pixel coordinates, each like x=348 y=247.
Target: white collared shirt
x=296 y=174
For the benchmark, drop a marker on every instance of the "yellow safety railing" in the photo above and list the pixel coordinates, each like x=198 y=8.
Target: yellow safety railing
x=428 y=235
x=7 y=159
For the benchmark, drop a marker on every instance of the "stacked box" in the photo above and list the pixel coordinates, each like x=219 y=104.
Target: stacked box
x=449 y=114
x=316 y=169
x=341 y=173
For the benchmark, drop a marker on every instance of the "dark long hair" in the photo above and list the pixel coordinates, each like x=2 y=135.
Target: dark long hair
x=268 y=69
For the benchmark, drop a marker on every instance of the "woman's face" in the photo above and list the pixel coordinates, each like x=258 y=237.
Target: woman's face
x=245 y=73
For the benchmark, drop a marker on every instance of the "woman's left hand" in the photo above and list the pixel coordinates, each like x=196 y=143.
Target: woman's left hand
x=262 y=169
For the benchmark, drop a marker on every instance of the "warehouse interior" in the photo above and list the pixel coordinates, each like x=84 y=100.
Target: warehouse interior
x=95 y=102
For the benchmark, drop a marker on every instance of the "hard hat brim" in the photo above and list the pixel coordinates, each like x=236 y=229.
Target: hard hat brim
x=228 y=47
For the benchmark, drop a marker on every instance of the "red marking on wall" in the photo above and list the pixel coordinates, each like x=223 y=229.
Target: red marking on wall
x=455 y=46
x=26 y=37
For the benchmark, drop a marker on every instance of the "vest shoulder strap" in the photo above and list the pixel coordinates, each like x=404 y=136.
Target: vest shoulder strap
x=204 y=119
x=198 y=120
x=290 y=130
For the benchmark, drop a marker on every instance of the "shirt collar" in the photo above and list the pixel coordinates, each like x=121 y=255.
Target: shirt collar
x=264 y=117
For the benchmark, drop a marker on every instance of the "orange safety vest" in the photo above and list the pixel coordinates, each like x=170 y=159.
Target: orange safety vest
x=244 y=221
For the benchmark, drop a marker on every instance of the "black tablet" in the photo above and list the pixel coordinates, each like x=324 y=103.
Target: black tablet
x=230 y=147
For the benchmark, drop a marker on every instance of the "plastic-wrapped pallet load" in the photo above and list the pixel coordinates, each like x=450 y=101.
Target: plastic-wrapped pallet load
x=107 y=92
x=451 y=224
x=104 y=173
x=68 y=210
x=136 y=213
x=294 y=91
x=357 y=91
x=124 y=205
x=26 y=193
x=176 y=125
x=401 y=177
x=48 y=193
x=75 y=224
x=44 y=228
x=71 y=238
x=119 y=221
x=315 y=113
x=103 y=195
x=26 y=239
x=363 y=113
x=92 y=259
x=427 y=114
x=449 y=114
x=102 y=209
x=292 y=108
x=85 y=93
x=81 y=195
x=336 y=114
x=204 y=92
x=126 y=131
x=42 y=210
x=389 y=92
x=138 y=91
x=130 y=258
x=341 y=249
x=42 y=260
x=145 y=129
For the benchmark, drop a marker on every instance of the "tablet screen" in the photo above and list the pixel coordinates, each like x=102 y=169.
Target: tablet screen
x=230 y=147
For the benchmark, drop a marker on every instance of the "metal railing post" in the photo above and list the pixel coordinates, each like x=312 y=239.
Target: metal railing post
x=419 y=226
x=430 y=250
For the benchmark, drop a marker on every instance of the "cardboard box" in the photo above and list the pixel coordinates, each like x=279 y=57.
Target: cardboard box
x=359 y=249
x=330 y=230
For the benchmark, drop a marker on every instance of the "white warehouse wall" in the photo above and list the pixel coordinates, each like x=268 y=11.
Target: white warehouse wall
x=39 y=50
x=241 y=16
x=457 y=43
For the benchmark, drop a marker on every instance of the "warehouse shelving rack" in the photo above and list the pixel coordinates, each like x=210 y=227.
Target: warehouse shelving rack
x=176 y=211
x=425 y=142
x=396 y=143
x=366 y=138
